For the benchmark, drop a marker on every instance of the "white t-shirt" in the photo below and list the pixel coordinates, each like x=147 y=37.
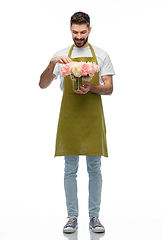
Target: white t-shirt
x=103 y=59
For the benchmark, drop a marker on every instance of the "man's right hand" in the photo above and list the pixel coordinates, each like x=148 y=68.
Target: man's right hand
x=61 y=59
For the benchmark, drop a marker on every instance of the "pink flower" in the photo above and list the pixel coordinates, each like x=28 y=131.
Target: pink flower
x=91 y=71
x=85 y=69
x=66 y=69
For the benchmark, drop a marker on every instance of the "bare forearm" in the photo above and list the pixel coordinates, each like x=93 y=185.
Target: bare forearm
x=47 y=76
x=102 y=89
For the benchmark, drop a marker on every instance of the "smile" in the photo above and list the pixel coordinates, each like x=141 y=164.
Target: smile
x=79 y=41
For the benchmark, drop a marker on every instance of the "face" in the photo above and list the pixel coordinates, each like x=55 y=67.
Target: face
x=80 y=34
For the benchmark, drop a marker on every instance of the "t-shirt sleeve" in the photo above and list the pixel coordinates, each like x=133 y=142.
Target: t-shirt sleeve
x=107 y=67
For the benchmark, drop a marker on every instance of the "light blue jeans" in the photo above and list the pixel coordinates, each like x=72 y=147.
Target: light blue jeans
x=95 y=184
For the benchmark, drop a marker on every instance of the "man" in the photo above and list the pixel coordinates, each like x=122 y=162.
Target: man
x=81 y=125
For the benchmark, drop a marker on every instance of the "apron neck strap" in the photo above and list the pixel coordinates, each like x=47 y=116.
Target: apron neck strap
x=70 y=52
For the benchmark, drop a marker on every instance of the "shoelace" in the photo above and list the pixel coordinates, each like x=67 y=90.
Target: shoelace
x=70 y=222
x=96 y=222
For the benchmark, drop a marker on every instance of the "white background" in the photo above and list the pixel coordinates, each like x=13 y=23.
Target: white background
x=32 y=201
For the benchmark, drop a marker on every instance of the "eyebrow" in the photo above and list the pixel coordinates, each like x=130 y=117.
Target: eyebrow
x=81 y=31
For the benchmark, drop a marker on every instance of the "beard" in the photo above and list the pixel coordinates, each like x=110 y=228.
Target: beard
x=82 y=43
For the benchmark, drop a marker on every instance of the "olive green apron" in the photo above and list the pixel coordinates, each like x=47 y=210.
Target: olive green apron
x=81 y=125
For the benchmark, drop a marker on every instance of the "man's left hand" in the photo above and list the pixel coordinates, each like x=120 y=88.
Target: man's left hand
x=85 y=89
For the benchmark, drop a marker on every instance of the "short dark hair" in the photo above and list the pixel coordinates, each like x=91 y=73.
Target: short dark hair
x=80 y=18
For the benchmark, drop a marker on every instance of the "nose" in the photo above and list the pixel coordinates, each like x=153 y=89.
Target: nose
x=79 y=35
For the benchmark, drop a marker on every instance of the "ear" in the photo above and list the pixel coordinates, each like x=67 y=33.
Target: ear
x=90 y=30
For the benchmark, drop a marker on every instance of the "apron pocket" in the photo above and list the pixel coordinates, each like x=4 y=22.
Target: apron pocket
x=81 y=106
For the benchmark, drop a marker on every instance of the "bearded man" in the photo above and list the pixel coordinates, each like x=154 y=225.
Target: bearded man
x=81 y=126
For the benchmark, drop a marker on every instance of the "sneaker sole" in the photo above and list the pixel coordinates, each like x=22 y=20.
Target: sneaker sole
x=97 y=229
x=70 y=230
